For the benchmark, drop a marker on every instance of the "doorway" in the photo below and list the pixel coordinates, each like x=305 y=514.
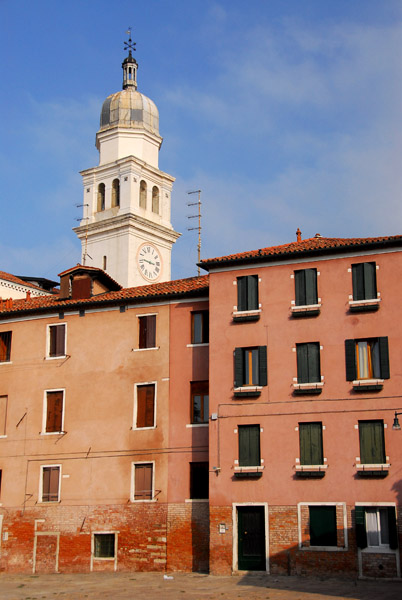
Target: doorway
x=251 y=542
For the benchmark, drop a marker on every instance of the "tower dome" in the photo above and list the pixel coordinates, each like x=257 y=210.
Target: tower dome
x=129 y=108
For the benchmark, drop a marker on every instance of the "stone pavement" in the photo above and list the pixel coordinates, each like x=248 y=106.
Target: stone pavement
x=150 y=586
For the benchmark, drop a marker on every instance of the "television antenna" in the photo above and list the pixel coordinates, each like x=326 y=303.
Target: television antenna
x=198 y=203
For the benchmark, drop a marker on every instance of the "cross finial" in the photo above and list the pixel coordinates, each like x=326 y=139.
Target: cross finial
x=129 y=45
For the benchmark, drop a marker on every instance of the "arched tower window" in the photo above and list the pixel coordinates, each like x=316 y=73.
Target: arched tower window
x=115 y=193
x=155 y=200
x=143 y=194
x=101 y=197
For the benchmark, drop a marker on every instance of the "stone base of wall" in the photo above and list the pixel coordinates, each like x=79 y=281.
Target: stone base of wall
x=188 y=537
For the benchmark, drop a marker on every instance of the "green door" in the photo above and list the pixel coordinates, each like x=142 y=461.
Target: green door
x=251 y=538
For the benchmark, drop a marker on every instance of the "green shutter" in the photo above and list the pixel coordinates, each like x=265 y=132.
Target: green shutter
x=323 y=526
x=372 y=450
x=242 y=293
x=252 y=292
x=238 y=367
x=249 y=445
x=314 y=371
x=350 y=359
x=302 y=363
x=370 y=283
x=358 y=281
x=300 y=288
x=311 y=451
x=384 y=357
x=262 y=365
x=360 y=524
x=393 y=531
x=311 y=286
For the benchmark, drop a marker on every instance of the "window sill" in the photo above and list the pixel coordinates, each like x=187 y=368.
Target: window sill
x=311 y=471
x=367 y=385
x=248 y=391
x=6 y=362
x=323 y=548
x=142 y=428
x=201 y=344
x=196 y=500
x=376 y=471
x=142 y=501
x=49 y=501
x=193 y=425
x=2 y=437
x=53 y=433
x=364 y=305
x=62 y=356
x=103 y=558
x=308 y=388
x=145 y=349
x=248 y=472
x=308 y=310
x=379 y=550
x=246 y=315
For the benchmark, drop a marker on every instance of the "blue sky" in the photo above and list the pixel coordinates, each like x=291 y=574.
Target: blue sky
x=285 y=113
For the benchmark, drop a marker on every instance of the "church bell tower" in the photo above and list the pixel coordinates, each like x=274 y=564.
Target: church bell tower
x=126 y=228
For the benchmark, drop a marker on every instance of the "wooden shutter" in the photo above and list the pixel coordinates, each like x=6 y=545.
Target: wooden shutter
x=371 y=434
x=54 y=411
x=50 y=484
x=384 y=357
x=238 y=367
x=360 y=525
x=143 y=482
x=5 y=346
x=3 y=414
x=310 y=286
x=145 y=406
x=358 y=281
x=142 y=341
x=300 y=288
x=314 y=370
x=60 y=340
x=151 y=331
x=242 y=293
x=262 y=365
x=370 y=280
x=323 y=526
x=350 y=359
x=311 y=452
x=302 y=363
x=252 y=292
x=392 y=528
x=249 y=445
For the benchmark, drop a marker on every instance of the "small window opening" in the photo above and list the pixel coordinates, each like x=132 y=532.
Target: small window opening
x=143 y=194
x=104 y=545
x=155 y=200
x=101 y=197
x=104 y=263
x=115 y=193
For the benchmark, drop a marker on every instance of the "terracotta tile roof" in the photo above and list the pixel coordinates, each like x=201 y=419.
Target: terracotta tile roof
x=309 y=247
x=17 y=280
x=179 y=288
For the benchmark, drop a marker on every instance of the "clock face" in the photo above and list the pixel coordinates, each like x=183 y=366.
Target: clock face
x=149 y=262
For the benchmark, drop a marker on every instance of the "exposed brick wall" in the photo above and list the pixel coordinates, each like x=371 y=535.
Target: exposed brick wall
x=378 y=565
x=221 y=551
x=188 y=537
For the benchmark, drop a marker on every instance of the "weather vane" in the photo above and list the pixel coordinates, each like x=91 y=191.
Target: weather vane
x=130 y=45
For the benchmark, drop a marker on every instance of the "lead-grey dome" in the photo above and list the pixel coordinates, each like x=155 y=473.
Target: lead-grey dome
x=130 y=108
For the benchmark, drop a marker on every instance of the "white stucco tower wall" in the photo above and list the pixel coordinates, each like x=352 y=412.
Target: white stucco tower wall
x=126 y=226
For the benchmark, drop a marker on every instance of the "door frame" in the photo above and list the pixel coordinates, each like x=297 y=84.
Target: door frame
x=235 y=541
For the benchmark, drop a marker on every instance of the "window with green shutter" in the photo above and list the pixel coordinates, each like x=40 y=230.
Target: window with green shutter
x=247 y=293
x=249 y=446
x=372 y=447
x=306 y=287
x=311 y=448
x=308 y=362
x=376 y=527
x=250 y=366
x=364 y=280
x=322 y=525
x=367 y=359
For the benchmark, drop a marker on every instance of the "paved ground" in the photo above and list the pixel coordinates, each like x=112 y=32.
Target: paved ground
x=150 y=586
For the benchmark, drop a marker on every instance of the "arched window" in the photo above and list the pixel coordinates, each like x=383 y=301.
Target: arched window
x=101 y=197
x=155 y=200
x=115 y=193
x=143 y=194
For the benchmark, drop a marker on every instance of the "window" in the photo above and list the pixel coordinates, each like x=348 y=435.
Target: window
x=1 y=472
x=199 y=401
x=143 y=481
x=376 y=527
x=306 y=287
x=5 y=346
x=249 y=446
x=115 y=193
x=372 y=446
x=247 y=293
x=364 y=279
x=145 y=409
x=199 y=480
x=3 y=414
x=200 y=327
x=250 y=366
x=50 y=491
x=57 y=340
x=311 y=450
x=322 y=525
x=53 y=417
x=143 y=194
x=308 y=362
x=104 y=545
x=367 y=359
x=155 y=200
x=147 y=331
x=101 y=197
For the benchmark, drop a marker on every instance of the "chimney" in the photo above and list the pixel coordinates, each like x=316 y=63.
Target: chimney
x=298 y=235
x=28 y=295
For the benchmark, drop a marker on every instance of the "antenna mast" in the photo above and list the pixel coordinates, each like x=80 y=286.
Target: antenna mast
x=86 y=219
x=199 y=222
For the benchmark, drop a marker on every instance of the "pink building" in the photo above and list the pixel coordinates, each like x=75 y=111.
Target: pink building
x=305 y=380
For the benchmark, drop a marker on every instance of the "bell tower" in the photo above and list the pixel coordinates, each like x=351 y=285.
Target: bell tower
x=126 y=228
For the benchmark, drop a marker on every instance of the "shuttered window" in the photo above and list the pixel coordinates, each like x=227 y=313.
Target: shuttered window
x=145 y=406
x=372 y=447
x=50 y=484
x=200 y=327
x=54 y=412
x=104 y=545
x=249 y=446
x=322 y=525
x=5 y=346
x=3 y=414
x=143 y=481
x=308 y=362
x=311 y=449
x=306 y=287
x=199 y=480
x=364 y=279
x=250 y=366
x=247 y=292
x=199 y=402
x=367 y=359
x=147 y=331
x=376 y=527
x=57 y=338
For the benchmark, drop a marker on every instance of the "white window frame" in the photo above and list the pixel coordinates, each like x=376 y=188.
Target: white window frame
x=40 y=496
x=132 y=490
x=48 y=357
x=323 y=548
x=44 y=415
x=5 y=422
x=156 y=347
x=104 y=558
x=136 y=385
